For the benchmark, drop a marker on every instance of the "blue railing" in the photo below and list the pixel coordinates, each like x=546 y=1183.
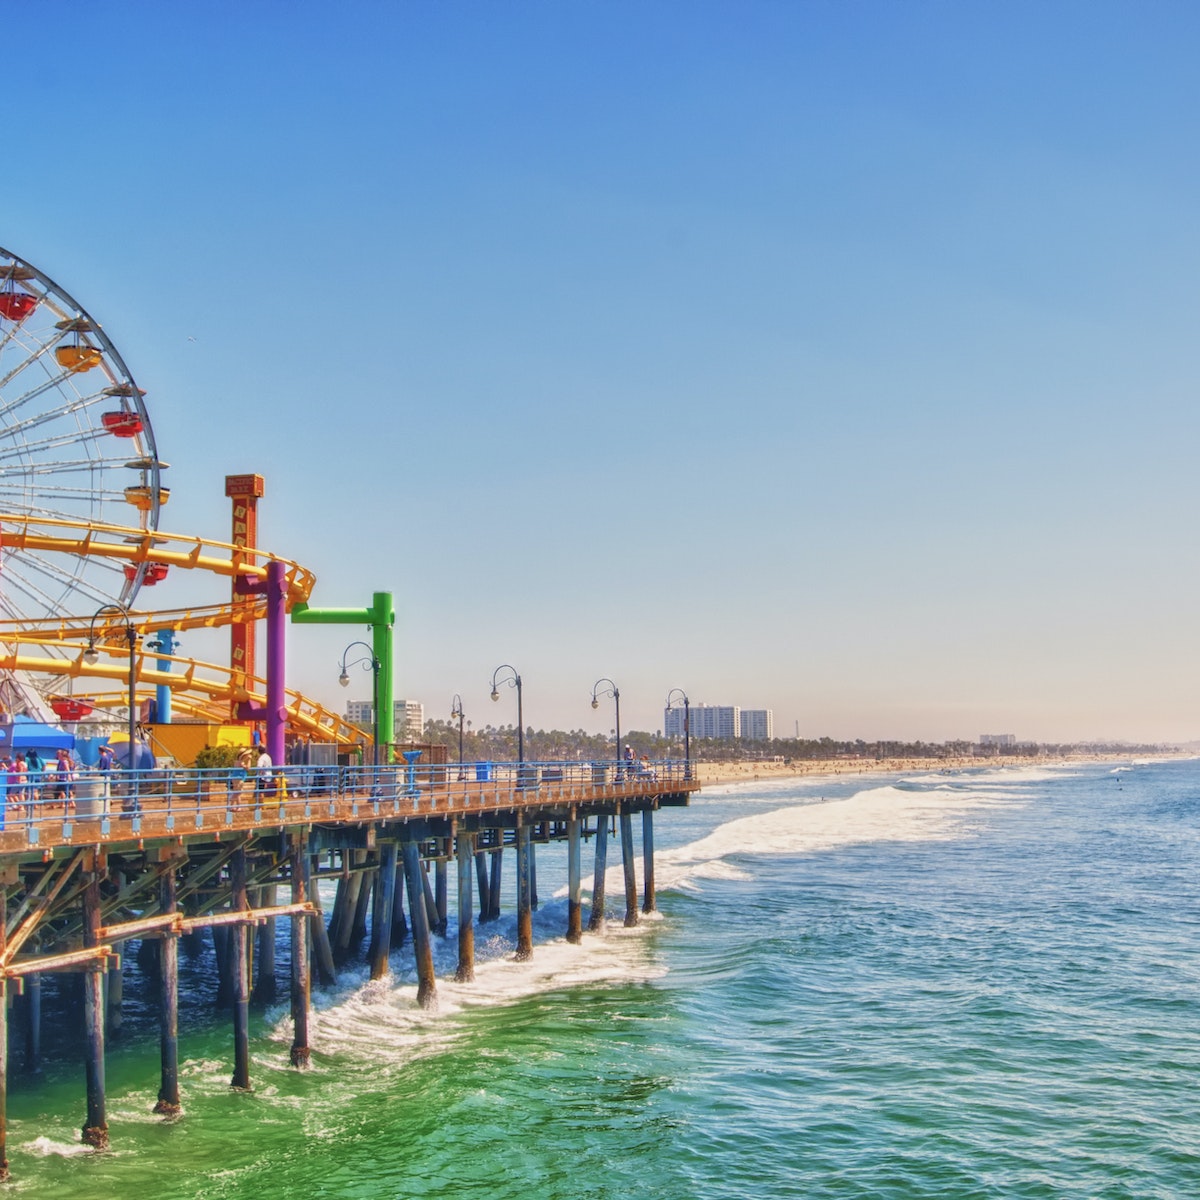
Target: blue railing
x=113 y=804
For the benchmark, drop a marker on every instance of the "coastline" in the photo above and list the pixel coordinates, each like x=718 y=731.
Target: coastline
x=712 y=773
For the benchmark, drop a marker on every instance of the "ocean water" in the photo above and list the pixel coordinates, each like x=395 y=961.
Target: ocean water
x=980 y=984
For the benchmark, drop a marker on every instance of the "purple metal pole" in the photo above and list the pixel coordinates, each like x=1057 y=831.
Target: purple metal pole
x=276 y=674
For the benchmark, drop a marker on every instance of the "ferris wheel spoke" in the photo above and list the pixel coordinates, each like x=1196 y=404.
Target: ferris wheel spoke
x=43 y=580
x=62 y=462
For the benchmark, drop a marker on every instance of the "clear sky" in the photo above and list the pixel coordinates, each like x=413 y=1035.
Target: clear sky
x=836 y=358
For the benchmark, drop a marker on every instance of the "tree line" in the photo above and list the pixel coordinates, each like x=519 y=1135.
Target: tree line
x=499 y=744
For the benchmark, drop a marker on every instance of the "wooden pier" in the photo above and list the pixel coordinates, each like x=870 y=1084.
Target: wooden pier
x=157 y=856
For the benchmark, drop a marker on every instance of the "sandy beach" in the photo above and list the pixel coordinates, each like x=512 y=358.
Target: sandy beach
x=748 y=772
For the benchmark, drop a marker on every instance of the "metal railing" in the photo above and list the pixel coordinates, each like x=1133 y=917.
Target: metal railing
x=104 y=806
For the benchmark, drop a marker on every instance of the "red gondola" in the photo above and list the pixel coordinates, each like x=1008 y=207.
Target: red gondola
x=122 y=423
x=69 y=709
x=156 y=572
x=16 y=306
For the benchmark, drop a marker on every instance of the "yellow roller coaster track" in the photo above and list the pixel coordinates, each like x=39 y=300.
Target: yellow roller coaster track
x=56 y=645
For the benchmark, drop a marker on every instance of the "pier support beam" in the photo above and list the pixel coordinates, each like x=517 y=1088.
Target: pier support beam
x=441 y=889
x=265 y=990
x=574 y=904
x=649 y=900
x=464 y=852
x=95 y=1127
x=399 y=923
x=168 y=1000
x=494 y=883
x=322 y=951
x=631 y=902
x=414 y=879
x=301 y=976
x=485 y=891
x=596 y=919
x=33 y=1024
x=238 y=942
x=524 y=894
x=381 y=915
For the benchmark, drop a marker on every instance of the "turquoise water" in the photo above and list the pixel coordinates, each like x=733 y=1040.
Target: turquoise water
x=982 y=985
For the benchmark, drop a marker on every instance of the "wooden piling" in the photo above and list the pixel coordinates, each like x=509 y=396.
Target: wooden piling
x=631 y=902
x=441 y=897
x=239 y=941
x=422 y=950
x=322 y=951
x=301 y=976
x=574 y=904
x=223 y=951
x=381 y=918
x=362 y=907
x=464 y=852
x=497 y=858
x=95 y=1126
x=596 y=919
x=33 y=1024
x=431 y=912
x=399 y=923
x=265 y=988
x=114 y=990
x=524 y=893
x=168 y=1013
x=533 y=896
x=649 y=900
x=485 y=891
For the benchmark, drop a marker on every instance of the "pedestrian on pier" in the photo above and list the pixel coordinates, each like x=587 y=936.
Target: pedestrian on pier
x=629 y=761
x=262 y=779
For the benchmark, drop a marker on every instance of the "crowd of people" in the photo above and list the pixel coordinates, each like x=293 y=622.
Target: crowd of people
x=28 y=780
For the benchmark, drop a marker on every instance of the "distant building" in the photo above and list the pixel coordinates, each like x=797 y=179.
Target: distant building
x=707 y=721
x=997 y=739
x=758 y=725
x=408 y=715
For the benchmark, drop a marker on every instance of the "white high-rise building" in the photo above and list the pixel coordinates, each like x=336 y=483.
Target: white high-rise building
x=408 y=715
x=758 y=725
x=707 y=721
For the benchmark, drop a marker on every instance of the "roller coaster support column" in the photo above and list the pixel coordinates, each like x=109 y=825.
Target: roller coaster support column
x=275 y=709
x=164 y=643
x=380 y=618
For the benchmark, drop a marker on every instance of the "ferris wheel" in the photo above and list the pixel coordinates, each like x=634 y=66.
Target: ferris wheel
x=76 y=446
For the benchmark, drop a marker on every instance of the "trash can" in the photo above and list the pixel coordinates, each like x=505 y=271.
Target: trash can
x=483 y=772
x=91 y=797
x=599 y=774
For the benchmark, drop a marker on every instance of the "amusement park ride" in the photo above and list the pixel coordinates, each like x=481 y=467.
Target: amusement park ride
x=81 y=501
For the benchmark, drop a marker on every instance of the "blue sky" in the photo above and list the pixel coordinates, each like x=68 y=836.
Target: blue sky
x=837 y=358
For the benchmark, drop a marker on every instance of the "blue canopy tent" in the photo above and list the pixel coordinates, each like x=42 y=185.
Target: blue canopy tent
x=24 y=733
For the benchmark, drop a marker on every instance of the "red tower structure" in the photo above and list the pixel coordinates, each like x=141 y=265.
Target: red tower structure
x=245 y=491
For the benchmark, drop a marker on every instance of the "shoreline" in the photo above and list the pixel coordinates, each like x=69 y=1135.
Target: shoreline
x=710 y=773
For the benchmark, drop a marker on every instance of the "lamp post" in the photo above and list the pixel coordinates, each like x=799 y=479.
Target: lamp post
x=687 y=748
x=368 y=662
x=513 y=680
x=91 y=655
x=614 y=692
x=456 y=710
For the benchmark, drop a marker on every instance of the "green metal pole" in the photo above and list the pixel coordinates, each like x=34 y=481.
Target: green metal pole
x=380 y=617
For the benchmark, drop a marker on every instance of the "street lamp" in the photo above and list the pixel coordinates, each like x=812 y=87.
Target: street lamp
x=687 y=748
x=612 y=691
x=92 y=655
x=513 y=680
x=456 y=710
x=368 y=662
